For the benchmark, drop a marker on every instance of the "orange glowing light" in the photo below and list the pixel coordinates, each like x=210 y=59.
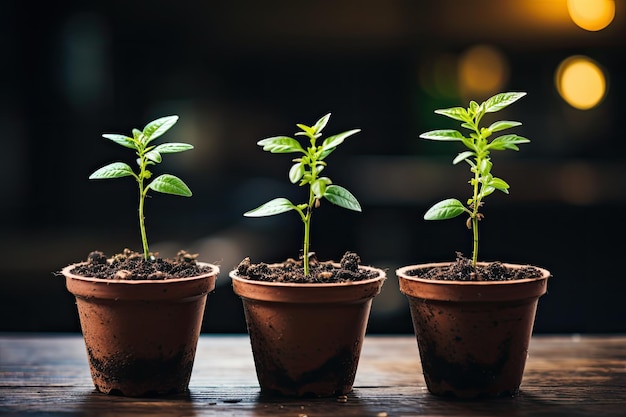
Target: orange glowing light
x=591 y=15
x=581 y=82
x=483 y=70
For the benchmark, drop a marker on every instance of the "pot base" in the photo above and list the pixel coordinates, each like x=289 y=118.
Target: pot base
x=121 y=374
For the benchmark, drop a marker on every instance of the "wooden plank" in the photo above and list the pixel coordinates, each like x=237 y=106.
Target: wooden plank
x=565 y=376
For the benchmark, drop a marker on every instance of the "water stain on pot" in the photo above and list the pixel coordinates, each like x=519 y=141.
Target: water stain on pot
x=467 y=375
x=334 y=369
x=122 y=370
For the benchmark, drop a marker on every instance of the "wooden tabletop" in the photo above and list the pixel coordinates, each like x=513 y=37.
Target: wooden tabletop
x=565 y=376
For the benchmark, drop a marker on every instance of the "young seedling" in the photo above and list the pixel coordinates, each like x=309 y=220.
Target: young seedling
x=147 y=155
x=306 y=170
x=477 y=156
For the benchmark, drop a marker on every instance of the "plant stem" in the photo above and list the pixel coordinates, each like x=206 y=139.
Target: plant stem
x=309 y=209
x=474 y=214
x=476 y=198
x=307 y=232
x=142 y=225
x=475 y=232
x=142 y=197
x=307 y=222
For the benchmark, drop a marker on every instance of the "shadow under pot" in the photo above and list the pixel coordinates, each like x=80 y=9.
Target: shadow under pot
x=473 y=336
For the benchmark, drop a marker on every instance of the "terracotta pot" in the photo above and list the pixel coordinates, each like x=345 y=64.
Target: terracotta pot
x=141 y=336
x=306 y=338
x=472 y=336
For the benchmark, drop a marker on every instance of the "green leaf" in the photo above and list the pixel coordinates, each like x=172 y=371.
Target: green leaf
x=325 y=152
x=485 y=167
x=121 y=140
x=485 y=191
x=280 y=144
x=154 y=156
x=336 y=140
x=457 y=113
x=146 y=174
x=470 y=144
x=158 y=127
x=463 y=156
x=319 y=188
x=503 y=124
x=173 y=147
x=307 y=131
x=296 y=172
x=443 y=134
x=321 y=123
x=275 y=206
x=499 y=184
x=326 y=180
x=507 y=142
x=114 y=170
x=445 y=209
x=169 y=184
x=320 y=166
x=500 y=101
x=342 y=197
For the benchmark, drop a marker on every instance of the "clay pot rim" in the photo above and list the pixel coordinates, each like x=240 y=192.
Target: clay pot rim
x=402 y=273
x=471 y=291
x=68 y=274
x=381 y=276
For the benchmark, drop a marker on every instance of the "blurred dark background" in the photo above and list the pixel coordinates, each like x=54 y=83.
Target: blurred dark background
x=239 y=71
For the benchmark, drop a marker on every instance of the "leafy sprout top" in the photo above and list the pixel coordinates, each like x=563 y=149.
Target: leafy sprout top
x=306 y=171
x=477 y=155
x=147 y=155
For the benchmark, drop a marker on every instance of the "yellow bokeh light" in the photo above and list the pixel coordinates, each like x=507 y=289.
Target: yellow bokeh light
x=483 y=70
x=592 y=15
x=581 y=82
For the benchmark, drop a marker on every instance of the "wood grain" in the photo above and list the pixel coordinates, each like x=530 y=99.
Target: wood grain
x=565 y=376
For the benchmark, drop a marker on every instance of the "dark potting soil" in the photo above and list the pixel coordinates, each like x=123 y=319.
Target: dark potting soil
x=319 y=272
x=462 y=270
x=130 y=265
